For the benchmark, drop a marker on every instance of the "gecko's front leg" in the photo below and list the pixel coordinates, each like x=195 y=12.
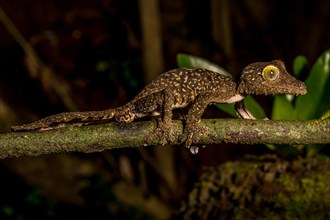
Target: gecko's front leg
x=193 y=128
x=242 y=111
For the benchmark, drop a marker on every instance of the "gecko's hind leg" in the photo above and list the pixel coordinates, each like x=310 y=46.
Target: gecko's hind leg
x=164 y=129
x=167 y=126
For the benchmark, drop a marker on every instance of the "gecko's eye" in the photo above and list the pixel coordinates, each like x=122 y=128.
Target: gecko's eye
x=270 y=73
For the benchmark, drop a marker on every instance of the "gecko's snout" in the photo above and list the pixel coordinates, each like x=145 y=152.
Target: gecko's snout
x=295 y=87
x=302 y=88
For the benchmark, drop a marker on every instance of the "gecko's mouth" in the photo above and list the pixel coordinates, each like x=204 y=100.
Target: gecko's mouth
x=300 y=89
x=293 y=88
x=304 y=89
x=296 y=87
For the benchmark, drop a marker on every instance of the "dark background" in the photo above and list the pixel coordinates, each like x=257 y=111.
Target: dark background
x=97 y=51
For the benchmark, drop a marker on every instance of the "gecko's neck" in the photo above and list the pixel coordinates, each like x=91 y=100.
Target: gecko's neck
x=241 y=87
x=245 y=88
x=238 y=92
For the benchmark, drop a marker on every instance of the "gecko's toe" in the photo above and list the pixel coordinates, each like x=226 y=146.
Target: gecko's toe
x=191 y=135
x=162 y=139
x=164 y=132
x=182 y=138
x=167 y=134
x=189 y=140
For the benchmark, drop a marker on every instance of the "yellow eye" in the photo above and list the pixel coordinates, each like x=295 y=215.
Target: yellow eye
x=270 y=73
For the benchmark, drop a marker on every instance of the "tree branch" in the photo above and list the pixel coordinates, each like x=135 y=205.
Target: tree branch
x=94 y=138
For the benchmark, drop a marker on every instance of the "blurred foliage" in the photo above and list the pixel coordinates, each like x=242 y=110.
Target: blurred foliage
x=317 y=101
x=186 y=60
x=102 y=195
x=101 y=202
x=119 y=69
x=30 y=204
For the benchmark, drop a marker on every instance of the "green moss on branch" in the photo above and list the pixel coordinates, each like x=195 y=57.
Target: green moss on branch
x=94 y=138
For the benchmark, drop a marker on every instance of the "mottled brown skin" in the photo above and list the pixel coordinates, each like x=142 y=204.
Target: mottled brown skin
x=182 y=87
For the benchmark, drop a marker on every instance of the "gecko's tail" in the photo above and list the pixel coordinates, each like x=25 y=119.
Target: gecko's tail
x=67 y=118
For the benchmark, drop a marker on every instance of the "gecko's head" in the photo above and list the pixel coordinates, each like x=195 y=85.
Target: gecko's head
x=269 y=78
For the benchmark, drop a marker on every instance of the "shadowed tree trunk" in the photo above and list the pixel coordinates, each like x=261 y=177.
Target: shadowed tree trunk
x=221 y=26
x=152 y=44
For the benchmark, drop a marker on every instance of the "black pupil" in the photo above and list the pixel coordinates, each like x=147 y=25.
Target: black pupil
x=271 y=74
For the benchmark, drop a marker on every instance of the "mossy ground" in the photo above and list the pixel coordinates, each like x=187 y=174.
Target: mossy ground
x=263 y=188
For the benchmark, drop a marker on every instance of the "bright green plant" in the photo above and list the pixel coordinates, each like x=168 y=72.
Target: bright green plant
x=316 y=103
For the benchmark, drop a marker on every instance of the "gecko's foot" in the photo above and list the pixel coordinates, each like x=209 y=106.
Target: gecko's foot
x=164 y=132
x=191 y=135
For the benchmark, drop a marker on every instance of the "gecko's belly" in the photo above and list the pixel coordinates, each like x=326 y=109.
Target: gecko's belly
x=235 y=98
x=182 y=101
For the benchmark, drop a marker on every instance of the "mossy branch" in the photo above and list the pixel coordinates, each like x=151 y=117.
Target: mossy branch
x=94 y=138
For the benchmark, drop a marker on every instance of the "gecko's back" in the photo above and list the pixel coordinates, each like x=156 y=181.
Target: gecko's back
x=187 y=83
x=181 y=85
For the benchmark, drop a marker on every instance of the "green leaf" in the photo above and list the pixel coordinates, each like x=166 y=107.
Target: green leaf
x=253 y=106
x=300 y=64
x=228 y=108
x=317 y=100
x=186 y=60
x=325 y=99
x=326 y=115
x=283 y=109
x=271 y=146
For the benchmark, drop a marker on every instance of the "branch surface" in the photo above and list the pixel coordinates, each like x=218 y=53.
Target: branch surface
x=95 y=138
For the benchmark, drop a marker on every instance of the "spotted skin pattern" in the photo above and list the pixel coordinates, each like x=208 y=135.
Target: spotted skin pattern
x=179 y=88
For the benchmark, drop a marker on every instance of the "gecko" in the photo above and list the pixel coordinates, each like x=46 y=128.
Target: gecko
x=194 y=88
